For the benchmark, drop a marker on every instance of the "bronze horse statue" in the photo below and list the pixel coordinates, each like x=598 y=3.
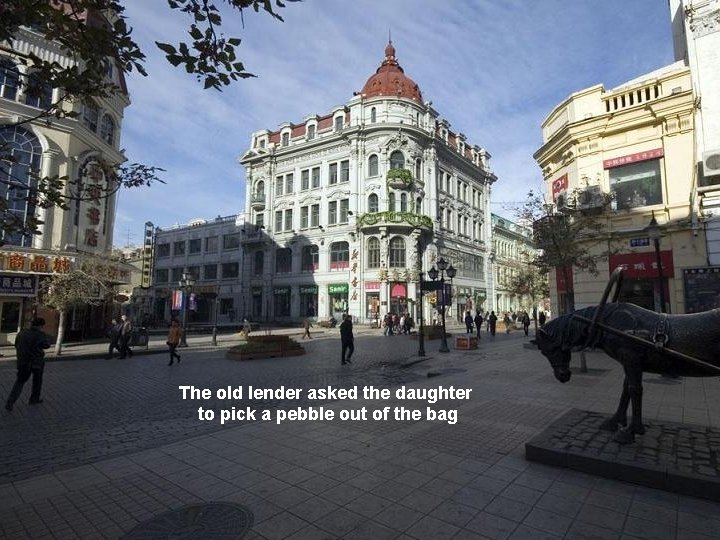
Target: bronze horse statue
x=642 y=341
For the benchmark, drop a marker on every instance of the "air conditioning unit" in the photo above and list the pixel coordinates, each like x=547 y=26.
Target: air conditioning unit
x=711 y=162
x=590 y=197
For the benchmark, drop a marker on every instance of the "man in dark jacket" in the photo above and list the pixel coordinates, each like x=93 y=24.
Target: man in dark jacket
x=125 y=336
x=478 y=323
x=346 y=338
x=30 y=345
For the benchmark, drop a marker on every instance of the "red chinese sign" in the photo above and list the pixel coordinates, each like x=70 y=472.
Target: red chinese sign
x=643 y=265
x=21 y=262
x=633 y=158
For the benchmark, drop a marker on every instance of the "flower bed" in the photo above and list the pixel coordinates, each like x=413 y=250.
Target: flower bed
x=265 y=347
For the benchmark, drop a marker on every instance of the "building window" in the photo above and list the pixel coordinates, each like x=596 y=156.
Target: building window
x=288 y=220
x=278 y=185
x=339 y=256
x=403 y=202
x=418 y=205
x=231 y=241
x=283 y=260
x=289 y=183
x=163 y=250
x=211 y=244
x=304 y=216
x=316 y=177
x=259 y=262
x=305 y=179
x=345 y=171
x=373 y=167
x=260 y=190
x=177 y=274
x=90 y=116
x=194 y=271
x=210 y=271
x=397 y=160
x=373 y=115
x=22 y=153
x=285 y=139
x=373 y=253
x=344 y=208
x=333 y=174
x=9 y=77
x=397 y=253
x=230 y=270
x=332 y=213
x=37 y=93
x=161 y=274
x=391 y=202
x=107 y=129
x=338 y=123
x=259 y=221
x=310 y=258
x=311 y=132
x=315 y=215
x=418 y=169
x=636 y=184
x=179 y=248
x=373 y=203
x=278 y=220
x=194 y=245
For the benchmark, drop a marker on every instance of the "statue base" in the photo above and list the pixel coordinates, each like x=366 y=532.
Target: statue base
x=682 y=458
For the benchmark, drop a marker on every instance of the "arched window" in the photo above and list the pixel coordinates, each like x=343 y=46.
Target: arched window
x=373 y=115
x=373 y=203
x=260 y=189
x=90 y=116
x=23 y=154
x=391 y=202
x=8 y=78
x=259 y=262
x=285 y=139
x=418 y=169
x=107 y=129
x=403 y=202
x=311 y=132
x=339 y=256
x=397 y=253
x=37 y=93
x=373 y=165
x=418 y=205
x=339 y=123
x=397 y=160
x=283 y=261
x=310 y=258
x=373 y=253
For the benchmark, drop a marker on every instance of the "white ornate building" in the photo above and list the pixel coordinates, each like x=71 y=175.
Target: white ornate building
x=49 y=147
x=344 y=210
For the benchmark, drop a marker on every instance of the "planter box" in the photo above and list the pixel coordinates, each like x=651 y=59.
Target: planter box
x=466 y=343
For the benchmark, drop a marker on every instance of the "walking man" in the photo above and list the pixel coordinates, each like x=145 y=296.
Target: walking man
x=478 y=324
x=30 y=345
x=346 y=338
x=173 y=340
x=492 y=321
x=307 y=325
x=114 y=335
x=125 y=335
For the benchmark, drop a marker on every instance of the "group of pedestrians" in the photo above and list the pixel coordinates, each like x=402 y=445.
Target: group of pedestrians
x=394 y=323
x=120 y=334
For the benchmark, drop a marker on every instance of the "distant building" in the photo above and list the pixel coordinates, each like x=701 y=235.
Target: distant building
x=72 y=147
x=209 y=250
x=345 y=210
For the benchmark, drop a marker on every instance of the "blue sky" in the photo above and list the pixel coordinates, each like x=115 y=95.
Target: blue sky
x=493 y=68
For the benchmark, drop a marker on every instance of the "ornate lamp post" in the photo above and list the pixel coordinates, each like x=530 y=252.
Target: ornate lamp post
x=433 y=273
x=186 y=284
x=653 y=231
x=421 y=332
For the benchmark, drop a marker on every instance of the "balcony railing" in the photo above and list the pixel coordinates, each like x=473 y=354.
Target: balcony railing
x=257 y=201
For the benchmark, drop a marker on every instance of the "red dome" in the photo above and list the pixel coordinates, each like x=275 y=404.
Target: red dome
x=390 y=80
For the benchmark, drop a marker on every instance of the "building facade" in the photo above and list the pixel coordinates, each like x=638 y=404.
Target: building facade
x=78 y=148
x=345 y=210
x=210 y=251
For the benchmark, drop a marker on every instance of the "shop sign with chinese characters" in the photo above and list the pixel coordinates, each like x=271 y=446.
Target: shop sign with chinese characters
x=14 y=285
x=94 y=177
x=41 y=264
x=354 y=274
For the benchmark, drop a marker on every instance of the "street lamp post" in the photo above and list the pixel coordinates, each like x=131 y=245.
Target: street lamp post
x=653 y=231
x=421 y=332
x=441 y=270
x=186 y=284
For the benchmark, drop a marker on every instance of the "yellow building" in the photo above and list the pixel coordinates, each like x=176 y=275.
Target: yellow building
x=636 y=144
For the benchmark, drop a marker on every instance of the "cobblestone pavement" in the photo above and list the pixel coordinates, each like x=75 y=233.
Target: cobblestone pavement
x=114 y=445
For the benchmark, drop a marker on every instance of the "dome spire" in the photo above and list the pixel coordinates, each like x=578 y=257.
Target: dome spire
x=390 y=79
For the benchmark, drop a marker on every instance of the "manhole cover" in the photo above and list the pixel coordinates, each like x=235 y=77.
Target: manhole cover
x=212 y=521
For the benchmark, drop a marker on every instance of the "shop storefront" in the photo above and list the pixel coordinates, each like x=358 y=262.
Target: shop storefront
x=640 y=278
x=308 y=300
x=338 y=295
x=281 y=301
x=398 y=297
x=16 y=294
x=372 y=300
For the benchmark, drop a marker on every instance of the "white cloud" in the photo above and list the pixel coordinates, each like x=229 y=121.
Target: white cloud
x=494 y=70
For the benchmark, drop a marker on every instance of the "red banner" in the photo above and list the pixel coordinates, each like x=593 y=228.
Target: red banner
x=633 y=158
x=643 y=265
x=371 y=286
x=398 y=290
x=560 y=278
x=559 y=184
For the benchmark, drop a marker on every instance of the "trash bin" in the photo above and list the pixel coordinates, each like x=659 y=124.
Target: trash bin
x=139 y=338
